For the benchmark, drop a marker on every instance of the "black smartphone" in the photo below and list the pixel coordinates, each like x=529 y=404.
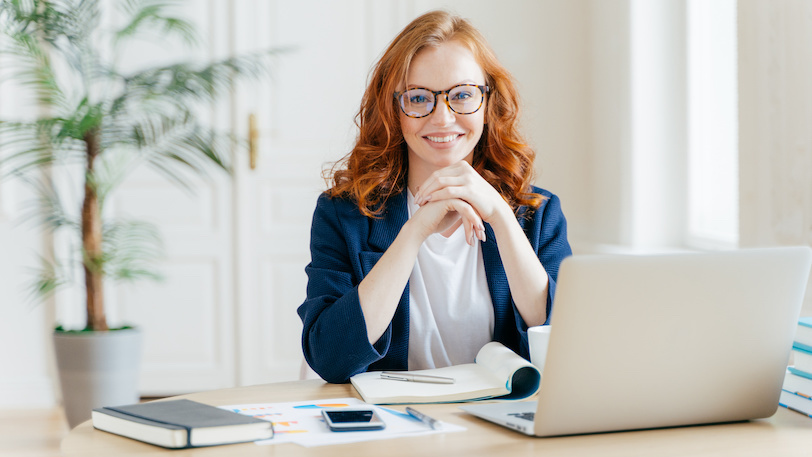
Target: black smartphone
x=352 y=419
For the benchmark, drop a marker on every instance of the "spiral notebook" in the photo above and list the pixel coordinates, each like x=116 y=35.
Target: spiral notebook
x=497 y=373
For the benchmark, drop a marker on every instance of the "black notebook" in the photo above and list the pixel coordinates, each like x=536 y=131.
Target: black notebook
x=180 y=423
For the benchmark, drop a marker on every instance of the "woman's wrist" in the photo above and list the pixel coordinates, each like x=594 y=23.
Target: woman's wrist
x=414 y=233
x=503 y=218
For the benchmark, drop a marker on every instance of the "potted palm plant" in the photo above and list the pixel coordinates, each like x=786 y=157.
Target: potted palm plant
x=99 y=123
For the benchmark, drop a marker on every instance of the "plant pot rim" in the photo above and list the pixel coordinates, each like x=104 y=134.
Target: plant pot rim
x=96 y=333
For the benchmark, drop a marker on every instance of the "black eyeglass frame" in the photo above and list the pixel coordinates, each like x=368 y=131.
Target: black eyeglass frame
x=482 y=89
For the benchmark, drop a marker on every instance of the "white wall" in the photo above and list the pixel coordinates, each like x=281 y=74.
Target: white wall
x=775 y=124
x=26 y=355
x=25 y=352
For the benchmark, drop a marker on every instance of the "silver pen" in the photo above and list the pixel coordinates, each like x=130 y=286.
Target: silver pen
x=413 y=377
x=430 y=421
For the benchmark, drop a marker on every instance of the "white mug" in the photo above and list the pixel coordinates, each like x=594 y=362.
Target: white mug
x=538 y=337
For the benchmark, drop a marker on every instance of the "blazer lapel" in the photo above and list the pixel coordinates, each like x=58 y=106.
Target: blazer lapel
x=497 y=281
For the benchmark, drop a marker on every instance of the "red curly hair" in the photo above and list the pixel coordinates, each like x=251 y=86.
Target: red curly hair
x=377 y=166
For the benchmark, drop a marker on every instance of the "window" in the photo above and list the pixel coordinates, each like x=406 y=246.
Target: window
x=712 y=127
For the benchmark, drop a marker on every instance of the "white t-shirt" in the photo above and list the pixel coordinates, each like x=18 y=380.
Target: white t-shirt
x=450 y=308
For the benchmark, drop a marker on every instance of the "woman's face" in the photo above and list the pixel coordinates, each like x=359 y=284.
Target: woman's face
x=444 y=137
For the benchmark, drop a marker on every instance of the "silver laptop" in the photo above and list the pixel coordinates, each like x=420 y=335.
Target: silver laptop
x=642 y=342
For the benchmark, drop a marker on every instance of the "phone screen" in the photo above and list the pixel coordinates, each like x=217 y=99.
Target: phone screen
x=356 y=419
x=341 y=417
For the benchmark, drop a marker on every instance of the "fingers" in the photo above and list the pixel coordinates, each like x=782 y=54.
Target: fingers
x=457 y=175
x=471 y=222
x=433 y=192
x=449 y=192
x=428 y=191
x=461 y=181
x=441 y=216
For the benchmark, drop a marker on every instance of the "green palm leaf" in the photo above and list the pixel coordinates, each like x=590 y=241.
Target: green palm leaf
x=132 y=249
x=148 y=15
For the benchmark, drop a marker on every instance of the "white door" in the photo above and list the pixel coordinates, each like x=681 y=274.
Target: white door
x=188 y=318
x=305 y=121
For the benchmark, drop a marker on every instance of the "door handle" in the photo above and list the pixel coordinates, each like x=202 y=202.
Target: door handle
x=252 y=141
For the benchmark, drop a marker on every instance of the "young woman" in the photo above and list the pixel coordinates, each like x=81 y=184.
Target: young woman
x=431 y=241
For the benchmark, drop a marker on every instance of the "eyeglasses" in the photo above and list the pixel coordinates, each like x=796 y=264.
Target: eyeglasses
x=461 y=99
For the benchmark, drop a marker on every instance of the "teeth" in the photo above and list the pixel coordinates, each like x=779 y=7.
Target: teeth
x=443 y=139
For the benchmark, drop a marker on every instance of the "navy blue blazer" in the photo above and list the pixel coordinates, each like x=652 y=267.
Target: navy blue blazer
x=345 y=245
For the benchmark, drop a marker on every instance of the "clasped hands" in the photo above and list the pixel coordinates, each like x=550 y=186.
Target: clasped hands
x=458 y=194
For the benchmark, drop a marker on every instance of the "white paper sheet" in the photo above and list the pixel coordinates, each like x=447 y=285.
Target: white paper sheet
x=301 y=422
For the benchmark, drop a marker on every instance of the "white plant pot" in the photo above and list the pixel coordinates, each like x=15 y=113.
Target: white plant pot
x=97 y=369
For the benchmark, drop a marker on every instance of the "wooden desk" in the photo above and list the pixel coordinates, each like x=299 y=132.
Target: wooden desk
x=785 y=434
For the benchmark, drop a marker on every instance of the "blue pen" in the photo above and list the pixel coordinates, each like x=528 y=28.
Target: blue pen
x=431 y=422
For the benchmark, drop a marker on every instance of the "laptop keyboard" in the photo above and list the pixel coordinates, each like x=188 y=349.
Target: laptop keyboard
x=529 y=416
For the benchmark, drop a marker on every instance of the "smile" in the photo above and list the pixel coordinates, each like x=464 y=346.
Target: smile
x=442 y=139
